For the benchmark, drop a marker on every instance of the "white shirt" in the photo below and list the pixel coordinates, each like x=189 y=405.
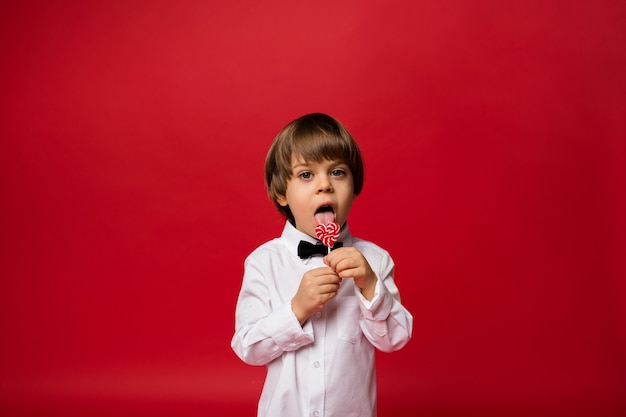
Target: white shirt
x=324 y=368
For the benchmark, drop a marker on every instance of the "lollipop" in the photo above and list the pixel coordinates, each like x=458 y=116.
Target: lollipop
x=328 y=233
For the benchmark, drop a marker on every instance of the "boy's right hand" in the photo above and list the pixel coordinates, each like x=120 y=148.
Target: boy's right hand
x=316 y=287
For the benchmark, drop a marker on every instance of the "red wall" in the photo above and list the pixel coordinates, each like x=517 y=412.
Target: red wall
x=131 y=159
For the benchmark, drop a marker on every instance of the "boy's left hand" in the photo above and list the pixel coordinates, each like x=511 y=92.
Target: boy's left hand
x=350 y=263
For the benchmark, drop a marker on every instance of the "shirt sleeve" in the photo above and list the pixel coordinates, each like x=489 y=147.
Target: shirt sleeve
x=385 y=322
x=261 y=333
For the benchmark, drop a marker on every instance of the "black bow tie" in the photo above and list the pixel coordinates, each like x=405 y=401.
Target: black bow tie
x=307 y=249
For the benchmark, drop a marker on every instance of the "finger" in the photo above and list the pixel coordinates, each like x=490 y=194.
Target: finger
x=328 y=288
x=349 y=273
x=329 y=296
x=335 y=256
x=321 y=271
x=333 y=278
x=345 y=263
x=340 y=262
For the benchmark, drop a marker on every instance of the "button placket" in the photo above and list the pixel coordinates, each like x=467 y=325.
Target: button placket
x=317 y=355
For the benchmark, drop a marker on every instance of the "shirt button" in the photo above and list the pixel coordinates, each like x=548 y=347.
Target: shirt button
x=318 y=314
x=316 y=413
x=316 y=364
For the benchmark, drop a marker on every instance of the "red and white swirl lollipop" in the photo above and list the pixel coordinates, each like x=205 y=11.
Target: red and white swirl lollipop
x=328 y=233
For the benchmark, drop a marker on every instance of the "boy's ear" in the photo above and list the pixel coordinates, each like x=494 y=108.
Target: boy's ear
x=281 y=200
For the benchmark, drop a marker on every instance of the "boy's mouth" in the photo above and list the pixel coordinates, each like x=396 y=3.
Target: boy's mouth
x=325 y=214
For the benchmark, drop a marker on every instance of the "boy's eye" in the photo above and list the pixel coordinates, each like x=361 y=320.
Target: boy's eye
x=337 y=172
x=305 y=175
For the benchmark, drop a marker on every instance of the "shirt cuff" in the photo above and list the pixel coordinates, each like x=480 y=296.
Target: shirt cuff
x=369 y=303
x=379 y=307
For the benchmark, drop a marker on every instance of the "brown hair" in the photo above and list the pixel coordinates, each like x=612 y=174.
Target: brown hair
x=315 y=137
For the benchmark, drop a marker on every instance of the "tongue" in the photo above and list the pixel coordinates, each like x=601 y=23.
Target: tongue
x=325 y=217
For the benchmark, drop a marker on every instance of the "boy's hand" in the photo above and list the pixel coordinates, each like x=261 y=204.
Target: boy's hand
x=350 y=263
x=316 y=287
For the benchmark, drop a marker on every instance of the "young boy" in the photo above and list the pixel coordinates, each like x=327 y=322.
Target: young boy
x=315 y=320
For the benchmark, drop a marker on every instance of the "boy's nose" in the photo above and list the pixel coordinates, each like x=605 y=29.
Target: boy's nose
x=324 y=185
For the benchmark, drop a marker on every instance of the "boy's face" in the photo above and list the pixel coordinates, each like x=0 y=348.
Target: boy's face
x=315 y=187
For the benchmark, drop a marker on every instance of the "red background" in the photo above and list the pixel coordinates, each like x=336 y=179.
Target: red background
x=133 y=140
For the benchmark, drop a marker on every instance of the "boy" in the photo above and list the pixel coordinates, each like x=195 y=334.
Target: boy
x=315 y=320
